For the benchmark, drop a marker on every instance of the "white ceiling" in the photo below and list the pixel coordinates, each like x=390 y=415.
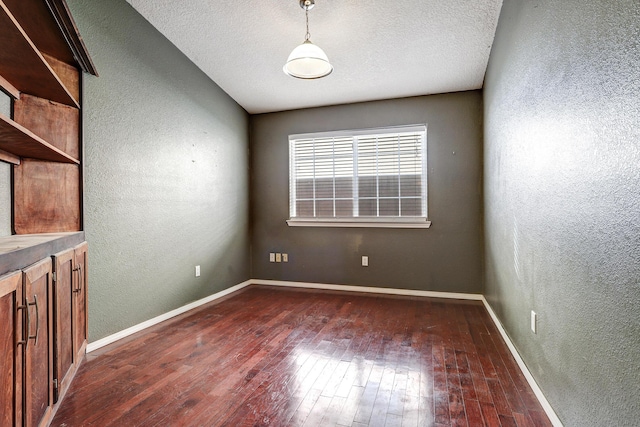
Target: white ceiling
x=379 y=49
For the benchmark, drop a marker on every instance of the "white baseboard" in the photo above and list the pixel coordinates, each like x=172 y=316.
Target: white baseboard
x=523 y=367
x=345 y=288
x=366 y=289
x=173 y=313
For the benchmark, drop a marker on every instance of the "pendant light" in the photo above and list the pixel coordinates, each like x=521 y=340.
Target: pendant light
x=308 y=61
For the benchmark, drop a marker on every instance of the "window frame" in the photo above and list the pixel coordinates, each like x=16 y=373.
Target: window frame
x=361 y=221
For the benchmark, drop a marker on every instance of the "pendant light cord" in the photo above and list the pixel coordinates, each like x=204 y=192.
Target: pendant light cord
x=308 y=35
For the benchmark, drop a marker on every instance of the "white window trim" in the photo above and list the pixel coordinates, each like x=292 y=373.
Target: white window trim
x=361 y=222
x=366 y=222
x=360 y=132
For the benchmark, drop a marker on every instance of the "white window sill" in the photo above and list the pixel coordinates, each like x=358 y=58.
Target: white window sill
x=360 y=222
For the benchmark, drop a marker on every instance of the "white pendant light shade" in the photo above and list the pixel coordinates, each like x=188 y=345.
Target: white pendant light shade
x=308 y=61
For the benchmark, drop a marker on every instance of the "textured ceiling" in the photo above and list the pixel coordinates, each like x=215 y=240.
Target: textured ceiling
x=379 y=49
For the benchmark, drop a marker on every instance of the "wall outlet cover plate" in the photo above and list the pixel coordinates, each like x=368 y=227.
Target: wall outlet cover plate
x=534 y=319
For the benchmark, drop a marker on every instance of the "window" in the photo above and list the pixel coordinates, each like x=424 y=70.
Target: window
x=362 y=178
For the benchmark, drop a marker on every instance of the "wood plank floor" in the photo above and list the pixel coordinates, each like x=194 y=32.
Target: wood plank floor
x=283 y=357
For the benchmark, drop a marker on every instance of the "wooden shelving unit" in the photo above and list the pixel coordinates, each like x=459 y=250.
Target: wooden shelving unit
x=24 y=68
x=20 y=141
x=42 y=58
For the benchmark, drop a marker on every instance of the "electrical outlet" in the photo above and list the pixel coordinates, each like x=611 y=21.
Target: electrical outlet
x=534 y=321
x=272 y=257
x=365 y=261
x=278 y=257
x=197 y=271
x=285 y=257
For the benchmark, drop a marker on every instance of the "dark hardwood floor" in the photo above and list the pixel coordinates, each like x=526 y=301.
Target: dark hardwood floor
x=283 y=357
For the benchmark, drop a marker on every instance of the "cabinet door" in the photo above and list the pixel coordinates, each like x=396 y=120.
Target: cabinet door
x=11 y=345
x=63 y=307
x=38 y=384
x=80 y=305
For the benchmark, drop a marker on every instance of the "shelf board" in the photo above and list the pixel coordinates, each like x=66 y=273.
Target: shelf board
x=24 y=67
x=9 y=158
x=8 y=88
x=20 y=141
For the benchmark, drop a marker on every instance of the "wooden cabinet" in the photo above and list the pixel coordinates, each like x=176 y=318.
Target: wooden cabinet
x=26 y=365
x=70 y=314
x=43 y=324
x=38 y=360
x=81 y=330
x=11 y=347
x=64 y=286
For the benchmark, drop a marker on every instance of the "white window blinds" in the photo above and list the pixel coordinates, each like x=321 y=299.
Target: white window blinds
x=378 y=173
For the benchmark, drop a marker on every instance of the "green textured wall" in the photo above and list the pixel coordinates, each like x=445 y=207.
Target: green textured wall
x=562 y=200
x=5 y=199
x=166 y=173
x=5 y=178
x=5 y=104
x=446 y=257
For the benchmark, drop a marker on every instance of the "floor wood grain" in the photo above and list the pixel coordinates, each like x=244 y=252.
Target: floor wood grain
x=269 y=356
